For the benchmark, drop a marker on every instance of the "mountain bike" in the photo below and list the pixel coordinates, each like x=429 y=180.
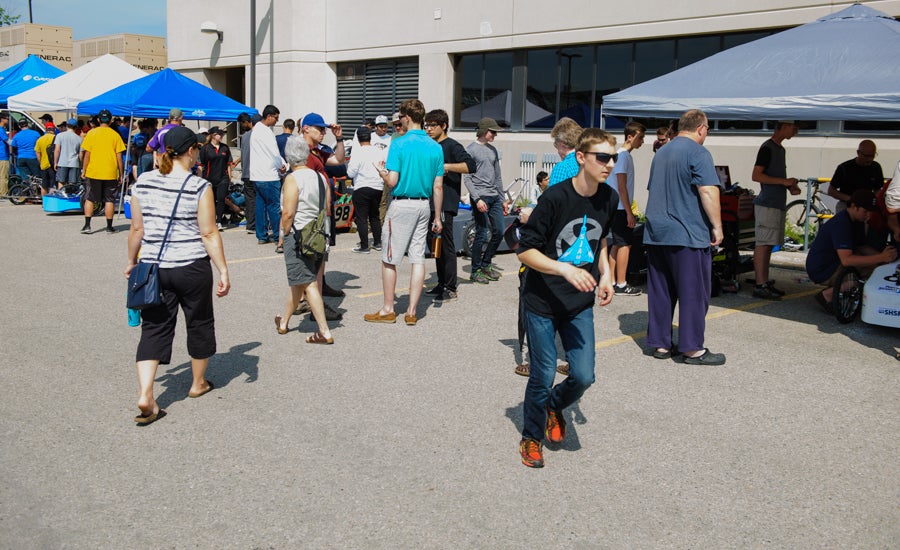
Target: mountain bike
x=797 y=218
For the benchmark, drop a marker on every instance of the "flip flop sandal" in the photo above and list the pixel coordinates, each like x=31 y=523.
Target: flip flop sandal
x=319 y=339
x=278 y=325
x=523 y=370
x=208 y=389
x=563 y=369
x=142 y=420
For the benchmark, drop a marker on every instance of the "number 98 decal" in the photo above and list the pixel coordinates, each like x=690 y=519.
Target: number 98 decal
x=343 y=215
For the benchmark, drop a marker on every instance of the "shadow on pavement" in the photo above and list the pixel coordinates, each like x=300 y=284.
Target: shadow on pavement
x=573 y=416
x=223 y=369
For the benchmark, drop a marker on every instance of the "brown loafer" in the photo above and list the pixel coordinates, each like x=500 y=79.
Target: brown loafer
x=410 y=319
x=278 y=325
x=377 y=317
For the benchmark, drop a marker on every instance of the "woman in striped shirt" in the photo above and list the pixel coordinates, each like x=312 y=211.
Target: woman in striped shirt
x=173 y=200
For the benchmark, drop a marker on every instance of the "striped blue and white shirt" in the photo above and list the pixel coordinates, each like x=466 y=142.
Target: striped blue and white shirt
x=156 y=193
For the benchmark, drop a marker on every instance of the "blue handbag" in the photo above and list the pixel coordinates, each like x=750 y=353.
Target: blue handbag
x=144 y=290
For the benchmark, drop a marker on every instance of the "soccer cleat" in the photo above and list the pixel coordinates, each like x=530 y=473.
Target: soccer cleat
x=532 y=455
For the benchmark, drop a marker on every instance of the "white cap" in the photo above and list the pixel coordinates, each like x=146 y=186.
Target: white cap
x=381 y=119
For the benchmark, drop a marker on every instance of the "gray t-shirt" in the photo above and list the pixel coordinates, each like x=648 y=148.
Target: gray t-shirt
x=771 y=157
x=69 y=144
x=245 y=155
x=486 y=181
x=675 y=216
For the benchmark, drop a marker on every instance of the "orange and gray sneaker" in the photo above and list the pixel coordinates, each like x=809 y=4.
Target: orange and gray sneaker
x=556 y=426
x=532 y=455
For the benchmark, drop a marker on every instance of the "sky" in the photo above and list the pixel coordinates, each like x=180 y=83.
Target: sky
x=91 y=18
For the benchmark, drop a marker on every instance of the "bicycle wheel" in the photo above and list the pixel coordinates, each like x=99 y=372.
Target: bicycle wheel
x=794 y=221
x=20 y=193
x=847 y=297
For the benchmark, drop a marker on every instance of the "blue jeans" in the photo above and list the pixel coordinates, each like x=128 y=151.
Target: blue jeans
x=577 y=335
x=268 y=208
x=483 y=255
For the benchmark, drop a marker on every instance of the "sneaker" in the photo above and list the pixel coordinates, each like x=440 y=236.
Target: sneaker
x=110 y=229
x=532 y=455
x=479 y=277
x=826 y=305
x=627 y=290
x=263 y=241
x=331 y=314
x=556 y=426
x=773 y=290
x=491 y=273
x=447 y=296
x=765 y=292
x=219 y=227
x=331 y=292
x=360 y=250
x=302 y=307
x=435 y=291
x=377 y=247
x=86 y=230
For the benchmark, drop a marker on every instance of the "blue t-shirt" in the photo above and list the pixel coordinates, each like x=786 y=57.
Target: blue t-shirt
x=24 y=141
x=564 y=169
x=822 y=260
x=675 y=216
x=4 y=147
x=418 y=159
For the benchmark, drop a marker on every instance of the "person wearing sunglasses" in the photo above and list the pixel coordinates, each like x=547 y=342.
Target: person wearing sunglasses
x=563 y=246
x=683 y=222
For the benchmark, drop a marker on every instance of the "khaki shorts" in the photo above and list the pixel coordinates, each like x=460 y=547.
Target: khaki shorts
x=405 y=231
x=769 y=226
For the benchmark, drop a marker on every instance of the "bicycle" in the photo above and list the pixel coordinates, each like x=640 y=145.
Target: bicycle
x=21 y=192
x=796 y=218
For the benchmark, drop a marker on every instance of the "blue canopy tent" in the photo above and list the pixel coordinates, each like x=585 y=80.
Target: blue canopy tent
x=843 y=66
x=25 y=75
x=154 y=95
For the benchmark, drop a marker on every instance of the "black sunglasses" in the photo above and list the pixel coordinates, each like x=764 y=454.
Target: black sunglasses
x=604 y=158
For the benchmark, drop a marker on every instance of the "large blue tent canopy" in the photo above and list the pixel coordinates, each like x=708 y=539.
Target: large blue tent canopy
x=154 y=95
x=843 y=66
x=25 y=75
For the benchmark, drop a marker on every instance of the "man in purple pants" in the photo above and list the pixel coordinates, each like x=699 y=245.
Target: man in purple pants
x=683 y=221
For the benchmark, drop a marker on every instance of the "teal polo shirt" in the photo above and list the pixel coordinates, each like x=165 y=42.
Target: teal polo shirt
x=418 y=159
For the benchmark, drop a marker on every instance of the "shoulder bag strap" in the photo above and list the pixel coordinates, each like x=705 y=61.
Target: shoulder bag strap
x=172 y=218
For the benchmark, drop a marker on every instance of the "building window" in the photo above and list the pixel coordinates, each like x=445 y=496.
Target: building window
x=366 y=90
x=485 y=88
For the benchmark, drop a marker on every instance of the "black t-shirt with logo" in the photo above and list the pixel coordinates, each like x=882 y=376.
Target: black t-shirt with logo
x=557 y=228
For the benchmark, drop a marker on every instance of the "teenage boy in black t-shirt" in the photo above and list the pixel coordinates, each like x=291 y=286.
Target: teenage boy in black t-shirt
x=563 y=245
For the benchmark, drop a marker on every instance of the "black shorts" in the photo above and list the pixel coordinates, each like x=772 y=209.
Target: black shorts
x=191 y=287
x=101 y=190
x=620 y=234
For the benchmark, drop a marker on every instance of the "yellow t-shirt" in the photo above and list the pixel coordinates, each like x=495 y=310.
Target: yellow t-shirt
x=104 y=144
x=40 y=148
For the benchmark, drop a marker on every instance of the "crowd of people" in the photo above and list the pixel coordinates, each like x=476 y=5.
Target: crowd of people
x=574 y=243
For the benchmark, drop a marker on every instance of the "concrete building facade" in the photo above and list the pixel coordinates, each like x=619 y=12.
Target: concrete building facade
x=529 y=60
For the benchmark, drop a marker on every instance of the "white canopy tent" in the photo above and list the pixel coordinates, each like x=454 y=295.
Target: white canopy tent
x=65 y=92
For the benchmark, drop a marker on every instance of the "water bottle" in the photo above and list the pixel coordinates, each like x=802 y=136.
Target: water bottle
x=134 y=317
x=436 y=246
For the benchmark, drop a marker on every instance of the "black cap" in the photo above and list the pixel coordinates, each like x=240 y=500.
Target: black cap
x=180 y=139
x=46 y=117
x=363 y=134
x=217 y=130
x=864 y=198
x=104 y=116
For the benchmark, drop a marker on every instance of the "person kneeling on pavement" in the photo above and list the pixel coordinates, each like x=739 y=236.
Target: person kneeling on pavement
x=840 y=244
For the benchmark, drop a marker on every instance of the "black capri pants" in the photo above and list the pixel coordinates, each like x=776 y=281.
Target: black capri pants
x=191 y=287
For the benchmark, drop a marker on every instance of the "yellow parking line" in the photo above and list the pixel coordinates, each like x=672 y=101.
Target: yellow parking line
x=717 y=315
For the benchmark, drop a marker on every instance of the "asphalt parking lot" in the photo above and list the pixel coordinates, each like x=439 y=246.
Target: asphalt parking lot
x=406 y=437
